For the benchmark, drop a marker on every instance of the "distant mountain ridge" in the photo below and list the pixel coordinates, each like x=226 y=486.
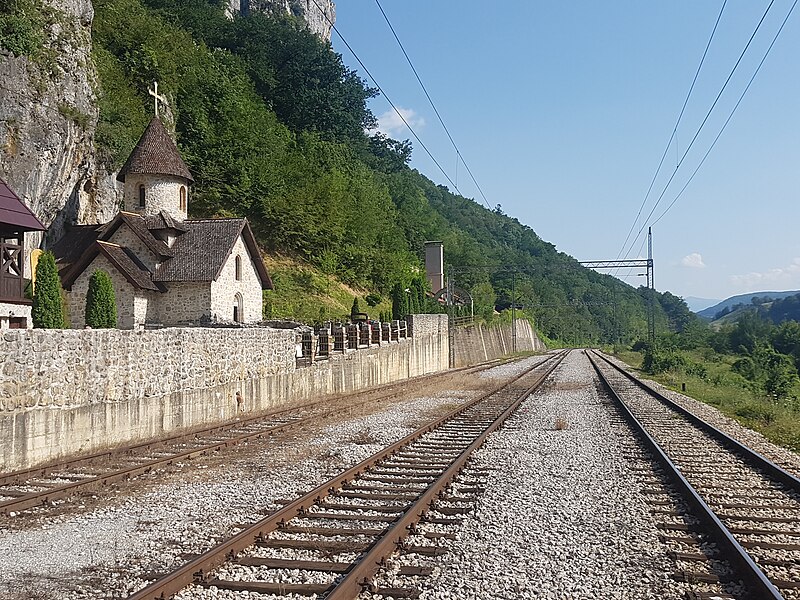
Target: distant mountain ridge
x=708 y=313
x=697 y=304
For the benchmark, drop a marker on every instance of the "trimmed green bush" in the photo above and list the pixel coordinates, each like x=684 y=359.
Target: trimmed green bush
x=101 y=305
x=47 y=312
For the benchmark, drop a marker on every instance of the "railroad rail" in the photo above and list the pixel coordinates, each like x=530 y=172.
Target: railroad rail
x=341 y=532
x=44 y=485
x=748 y=505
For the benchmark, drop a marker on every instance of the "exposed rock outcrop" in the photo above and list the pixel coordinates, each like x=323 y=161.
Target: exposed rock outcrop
x=48 y=115
x=318 y=14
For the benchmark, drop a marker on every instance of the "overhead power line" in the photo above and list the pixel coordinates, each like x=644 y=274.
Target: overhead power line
x=433 y=105
x=380 y=89
x=700 y=128
x=674 y=129
x=730 y=116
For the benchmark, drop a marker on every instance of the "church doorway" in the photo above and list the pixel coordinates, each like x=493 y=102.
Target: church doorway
x=238 y=308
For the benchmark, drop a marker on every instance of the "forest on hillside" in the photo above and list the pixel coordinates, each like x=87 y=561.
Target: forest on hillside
x=272 y=124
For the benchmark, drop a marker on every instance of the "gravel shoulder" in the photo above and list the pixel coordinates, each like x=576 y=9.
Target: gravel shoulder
x=112 y=550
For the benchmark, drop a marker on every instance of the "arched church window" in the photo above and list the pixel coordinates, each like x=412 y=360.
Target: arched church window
x=238 y=308
x=238 y=268
x=183 y=198
x=141 y=196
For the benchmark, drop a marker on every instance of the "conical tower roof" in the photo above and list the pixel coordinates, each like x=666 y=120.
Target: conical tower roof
x=155 y=154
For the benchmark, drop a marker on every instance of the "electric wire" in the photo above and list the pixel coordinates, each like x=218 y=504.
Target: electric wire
x=674 y=129
x=699 y=129
x=380 y=89
x=433 y=105
x=730 y=116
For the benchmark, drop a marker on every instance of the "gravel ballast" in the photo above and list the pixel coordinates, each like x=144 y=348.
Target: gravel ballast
x=562 y=516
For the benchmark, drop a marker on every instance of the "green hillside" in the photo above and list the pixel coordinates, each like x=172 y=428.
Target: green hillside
x=272 y=124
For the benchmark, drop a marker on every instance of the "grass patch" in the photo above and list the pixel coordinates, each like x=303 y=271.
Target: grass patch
x=303 y=293
x=778 y=421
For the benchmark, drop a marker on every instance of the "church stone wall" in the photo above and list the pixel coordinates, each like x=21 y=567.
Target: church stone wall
x=64 y=392
x=131 y=303
x=127 y=239
x=162 y=193
x=225 y=288
x=184 y=302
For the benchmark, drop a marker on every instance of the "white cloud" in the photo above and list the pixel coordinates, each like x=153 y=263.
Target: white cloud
x=390 y=123
x=693 y=261
x=788 y=277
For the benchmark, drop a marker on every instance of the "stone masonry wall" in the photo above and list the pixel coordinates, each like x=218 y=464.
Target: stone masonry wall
x=128 y=239
x=224 y=289
x=64 y=392
x=479 y=343
x=184 y=302
x=162 y=192
x=124 y=294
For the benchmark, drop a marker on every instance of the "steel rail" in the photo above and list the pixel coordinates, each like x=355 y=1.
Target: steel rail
x=755 y=459
x=57 y=492
x=198 y=569
x=755 y=579
x=360 y=576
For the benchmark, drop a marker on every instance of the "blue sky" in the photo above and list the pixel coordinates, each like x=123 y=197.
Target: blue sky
x=562 y=110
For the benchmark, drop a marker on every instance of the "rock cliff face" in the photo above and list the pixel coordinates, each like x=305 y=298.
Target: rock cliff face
x=48 y=114
x=319 y=14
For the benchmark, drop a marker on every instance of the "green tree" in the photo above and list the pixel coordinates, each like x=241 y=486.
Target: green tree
x=47 y=312
x=400 y=306
x=101 y=305
x=355 y=308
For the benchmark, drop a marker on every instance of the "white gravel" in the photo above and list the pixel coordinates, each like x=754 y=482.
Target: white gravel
x=561 y=517
x=105 y=552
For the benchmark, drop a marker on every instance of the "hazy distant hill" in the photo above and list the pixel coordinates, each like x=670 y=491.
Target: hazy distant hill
x=709 y=312
x=698 y=304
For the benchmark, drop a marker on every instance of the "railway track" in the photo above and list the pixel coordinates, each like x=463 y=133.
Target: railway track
x=735 y=515
x=56 y=483
x=333 y=540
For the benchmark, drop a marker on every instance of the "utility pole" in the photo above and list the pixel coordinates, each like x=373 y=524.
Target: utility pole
x=651 y=290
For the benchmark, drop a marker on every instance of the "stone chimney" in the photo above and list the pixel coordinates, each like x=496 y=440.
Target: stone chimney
x=434 y=265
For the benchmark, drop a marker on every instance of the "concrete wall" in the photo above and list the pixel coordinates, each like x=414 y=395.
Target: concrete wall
x=70 y=391
x=478 y=343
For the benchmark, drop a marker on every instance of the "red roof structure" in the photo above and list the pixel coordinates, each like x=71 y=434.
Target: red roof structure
x=14 y=215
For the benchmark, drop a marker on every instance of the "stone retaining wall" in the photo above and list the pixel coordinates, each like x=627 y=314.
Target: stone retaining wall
x=478 y=343
x=70 y=391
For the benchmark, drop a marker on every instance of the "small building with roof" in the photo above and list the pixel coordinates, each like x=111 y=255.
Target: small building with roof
x=15 y=220
x=166 y=269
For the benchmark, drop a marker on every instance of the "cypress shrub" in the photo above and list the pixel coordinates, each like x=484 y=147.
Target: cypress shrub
x=47 y=312
x=101 y=305
x=356 y=308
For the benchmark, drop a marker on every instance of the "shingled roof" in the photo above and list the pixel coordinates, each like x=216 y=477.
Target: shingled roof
x=201 y=252
x=196 y=255
x=155 y=154
x=123 y=260
x=73 y=244
x=14 y=214
x=163 y=220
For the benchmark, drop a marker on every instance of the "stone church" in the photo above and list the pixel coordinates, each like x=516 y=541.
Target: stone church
x=166 y=269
